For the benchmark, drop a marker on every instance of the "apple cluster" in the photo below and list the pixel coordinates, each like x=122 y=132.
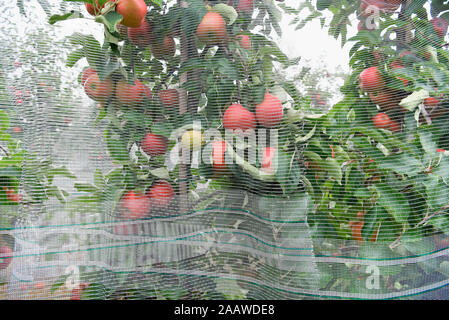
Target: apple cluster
x=376 y=80
x=132 y=93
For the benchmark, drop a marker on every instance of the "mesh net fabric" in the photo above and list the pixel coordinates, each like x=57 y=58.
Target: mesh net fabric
x=245 y=240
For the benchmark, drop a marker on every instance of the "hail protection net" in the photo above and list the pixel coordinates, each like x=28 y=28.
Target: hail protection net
x=185 y=149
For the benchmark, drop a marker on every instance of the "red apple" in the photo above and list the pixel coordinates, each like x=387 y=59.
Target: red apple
x=270 y=111
x=382 y=120
x=212 y=29
x=130 y=95
x=169 y=98
x=5 y=261
x=385 y=99
x=161 y=194
x=431 y=102
x=154 y=145
x=440 y=25
x=238 y=117
x=98 y=90
x=163 y=48
x=93 y=9
x=132 y=11
x=244 y=41
x=394 y=126
x=141 y=35
x=86 y=74
x=134 y=205
x=246 y=6
x=371 y=80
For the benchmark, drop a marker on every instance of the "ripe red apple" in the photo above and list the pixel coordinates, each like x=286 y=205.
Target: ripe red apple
x=130 y=95
x=386 y=99
x=86 y=74
x=94 y=10
x=98 y=90
x=244 y=41
x=431 y=102
x=394 y=126
x=246 y=6
x=238 y=117
x=440 y=25
x=356 y=230
x=6 y=261
x=154 y=145
x=218 y=155
x=134 y=205
x=371 y=80
x=162 y=49
x=212 y=29
x=268 y=155
x=270 y=111
x=382 y=120
x=141 y=35
x=169 y=98
x=132 y=11
x=12 y=196
x=161 y=194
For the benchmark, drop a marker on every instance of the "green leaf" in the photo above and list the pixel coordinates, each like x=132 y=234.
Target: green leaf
x=161 y=173
x=11 y=172
x=85 y=187
x=402 y=163
x=442 y=169
x=94 y=54
x=62 y=171
x=111 y=20
x=58 y=283
x=394 y=202
x=427 y=142
x=192 y=64
x=228 y=12
x=190 y=19
x=117 y=149
x=333 y=169
x=162 y=128
x=412 y=101
x=74 y=57
x=72 y=15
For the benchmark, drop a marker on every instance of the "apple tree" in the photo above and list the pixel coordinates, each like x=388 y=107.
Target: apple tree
x=377 y=162
x=174 y=78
